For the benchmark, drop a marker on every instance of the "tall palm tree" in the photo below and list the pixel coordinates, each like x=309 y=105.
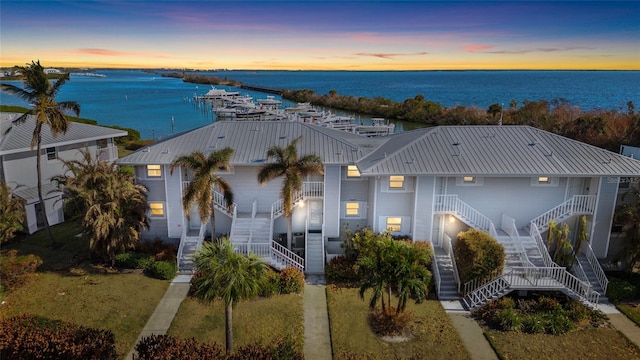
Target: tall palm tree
x=293 y=169
x=201 y=189
x=39 y=92
x=114 y=207
x=222 y=273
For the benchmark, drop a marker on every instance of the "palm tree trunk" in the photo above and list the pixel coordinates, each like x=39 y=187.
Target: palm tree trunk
x=212 y=220
x=228 y=314
x=40 y=198
x=289 y=232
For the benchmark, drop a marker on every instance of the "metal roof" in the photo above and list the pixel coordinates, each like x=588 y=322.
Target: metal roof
x=30 y=194
x=252 y=139
x=492 y=150
x=16 y=138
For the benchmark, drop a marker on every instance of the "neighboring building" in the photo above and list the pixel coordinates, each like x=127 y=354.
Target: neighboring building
x=426 y=184
x=18 y=162
x=53 y=71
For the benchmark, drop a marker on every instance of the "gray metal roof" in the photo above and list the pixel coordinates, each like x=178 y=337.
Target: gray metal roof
x=252 y=139
x=16 y=138
x=30 y=194
x=492 y=150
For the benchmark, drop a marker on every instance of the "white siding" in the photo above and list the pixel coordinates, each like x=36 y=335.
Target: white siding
x=423 y=217
x=605 y=208
x=332 y=190
x=173 y=206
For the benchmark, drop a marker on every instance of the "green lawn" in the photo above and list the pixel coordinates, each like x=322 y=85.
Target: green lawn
x=434 y=335
x=259 y=320
x=603 y=343
x=70 y=289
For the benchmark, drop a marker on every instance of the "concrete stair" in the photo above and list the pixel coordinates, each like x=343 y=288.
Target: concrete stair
x=185 y=263
x=448 y=285
x=593 y=280
x=314 y=255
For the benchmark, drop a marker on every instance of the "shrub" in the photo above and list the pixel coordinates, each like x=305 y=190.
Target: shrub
x=16 y=270
x=166 y=347
x=478 y=255
x=534 y=324
x=620 y=290
x=163 y=270
x=34 y=337
x=341 y=270
x=133 y=260
x=509 y=320
x=271 y=284
x=158 y=249
x=291 y=281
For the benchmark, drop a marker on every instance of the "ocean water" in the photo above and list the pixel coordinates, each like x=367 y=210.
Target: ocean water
x=160 y=106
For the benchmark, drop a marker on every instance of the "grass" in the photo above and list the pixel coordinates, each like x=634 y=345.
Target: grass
x=631 y=310
x=260 y=320
x=434 y=335
x=69 y=288
x=602 y=343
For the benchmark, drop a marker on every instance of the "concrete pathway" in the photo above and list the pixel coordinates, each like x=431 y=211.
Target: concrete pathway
x=163 y=315
x=470 y=332
x=621 y=322
x=317 y=336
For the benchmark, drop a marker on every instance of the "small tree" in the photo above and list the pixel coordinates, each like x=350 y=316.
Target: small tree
x=628 y=214
x=222 y=273
x=114 y=207
x=11 y=213
x=478 y=255
x=559 y=245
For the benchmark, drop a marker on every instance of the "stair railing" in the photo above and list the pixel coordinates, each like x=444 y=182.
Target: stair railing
x=309 y=189
x=220 y=203
x=577 y=204
x=183 y=239
x=435 y=270
x=286 y=256
x=448 y=248
x=595 y=265
x=453 y=205
x=535 y=234
x=234 y=216
x=485 y=292
x=509 y=226
x=577 y=269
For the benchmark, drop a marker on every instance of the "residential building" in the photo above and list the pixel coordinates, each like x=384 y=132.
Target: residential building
x=18 y=162
x=426 y=184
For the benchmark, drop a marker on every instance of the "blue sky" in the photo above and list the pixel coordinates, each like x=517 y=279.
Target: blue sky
x=327 y=35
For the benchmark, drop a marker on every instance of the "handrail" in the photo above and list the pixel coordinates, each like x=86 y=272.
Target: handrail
x=453 y=205
x=577 y=269
x=596 y=267
x=287 y=256
x=449 y=250
x=509 y=226
x=309 y=189
x=577 y=204
x=535 y=234
x=183 y=239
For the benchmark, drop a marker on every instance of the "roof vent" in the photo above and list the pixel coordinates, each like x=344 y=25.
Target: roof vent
x=221 y=137
x=456 y=143
x=165 y=151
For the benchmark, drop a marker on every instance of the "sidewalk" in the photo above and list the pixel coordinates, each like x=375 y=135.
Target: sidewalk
x=470 y=332
x=622 y=323
x=317 y=336
x=163 y=315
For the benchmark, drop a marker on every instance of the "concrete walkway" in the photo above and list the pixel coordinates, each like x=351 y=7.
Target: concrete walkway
x=317 y=336
x=622 y=323
x=470 y=332
x=163 y=315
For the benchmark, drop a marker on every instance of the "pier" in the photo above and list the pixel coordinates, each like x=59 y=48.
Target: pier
x=263 y=89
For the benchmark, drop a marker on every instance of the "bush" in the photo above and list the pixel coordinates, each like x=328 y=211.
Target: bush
x=509 y=320
x=16 y=270
x=291 y=281
x=34 y=337
x=133 y=260
x=620 y=290
x=341 y=270
x=166 y=347
x=158 y=249
x=478 y=255
x=271 y=284
x=163 y=270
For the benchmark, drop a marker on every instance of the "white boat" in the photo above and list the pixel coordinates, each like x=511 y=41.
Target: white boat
x=89 y=74
x=378 y=127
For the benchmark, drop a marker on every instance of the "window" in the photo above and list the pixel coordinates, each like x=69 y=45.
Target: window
x=396 y=182
x=352 y=171
x=154 y=171
x=394 y=224
x=102 y=143
x=352 y=209
x=156 y=209
x=52 y=154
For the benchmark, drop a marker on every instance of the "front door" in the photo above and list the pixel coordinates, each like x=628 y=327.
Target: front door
x=194 y=219
x=39 y=215
x=315 y=215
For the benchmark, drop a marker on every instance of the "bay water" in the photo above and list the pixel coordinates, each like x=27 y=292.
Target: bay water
x=160 y=106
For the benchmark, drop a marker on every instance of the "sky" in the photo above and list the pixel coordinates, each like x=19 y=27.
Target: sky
x=322 y=35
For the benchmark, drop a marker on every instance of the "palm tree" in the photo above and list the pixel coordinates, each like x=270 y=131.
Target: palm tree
x=201 y=189
x=293 y=169
x=222 y=273
x=11 y=213
x=39 y=92
x=114 y=207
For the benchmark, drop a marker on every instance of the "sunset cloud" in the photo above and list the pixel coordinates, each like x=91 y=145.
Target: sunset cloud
x=477 y=47
x=390 y=55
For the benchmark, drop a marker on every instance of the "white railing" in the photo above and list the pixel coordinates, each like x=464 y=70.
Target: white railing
x=451 y=204
x=578 y=204
x=435 y=271
x=509 y=226
x=286 y=256
x=595 y=265
x=577 y=269
x=108 y=153
x=492 y=230
x=310 y=189
x=183 y=239
x=535 y=234
x=221 y=204
x=448 y=248
x=533 y=278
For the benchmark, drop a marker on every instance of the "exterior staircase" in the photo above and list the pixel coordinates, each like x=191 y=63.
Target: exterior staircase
x=447 y=288
x=189 y=244
x=314 y=252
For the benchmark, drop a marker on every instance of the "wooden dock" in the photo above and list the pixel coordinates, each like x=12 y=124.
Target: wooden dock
x=263 y=89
